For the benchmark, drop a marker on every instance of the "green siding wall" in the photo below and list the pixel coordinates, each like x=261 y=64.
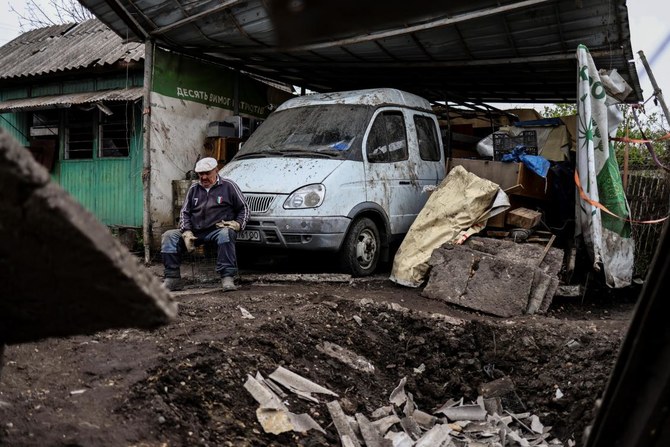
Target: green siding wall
x=16 y=124
x=111 y=188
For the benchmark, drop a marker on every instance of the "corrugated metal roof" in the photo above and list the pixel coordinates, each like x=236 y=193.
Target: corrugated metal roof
x=62 y=48
x=63 y=101
x=477 y=50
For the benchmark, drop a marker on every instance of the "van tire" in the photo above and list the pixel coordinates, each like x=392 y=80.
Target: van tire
x=360 y=250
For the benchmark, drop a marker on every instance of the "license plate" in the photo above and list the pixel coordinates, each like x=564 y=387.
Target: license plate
x=249 y=235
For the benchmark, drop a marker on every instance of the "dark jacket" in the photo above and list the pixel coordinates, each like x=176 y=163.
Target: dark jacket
x=202 y=209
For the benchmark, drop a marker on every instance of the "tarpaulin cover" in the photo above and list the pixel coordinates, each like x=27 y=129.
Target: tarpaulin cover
x=607 y=239
x=459 y=207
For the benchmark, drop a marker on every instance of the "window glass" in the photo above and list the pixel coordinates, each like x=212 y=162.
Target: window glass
x=387 y=141
x=79 y=134
x=116 y=130
x=44 y=137
x=323 y=131
x=427 y=136
x=45 y=123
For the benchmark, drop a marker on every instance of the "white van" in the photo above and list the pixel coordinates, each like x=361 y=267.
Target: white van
x=343 y=172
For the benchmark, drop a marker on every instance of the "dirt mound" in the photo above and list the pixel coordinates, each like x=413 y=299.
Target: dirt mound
x=183 y=384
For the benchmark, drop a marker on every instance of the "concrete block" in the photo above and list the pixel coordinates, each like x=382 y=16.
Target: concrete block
x=494 y=276
x=62 y=272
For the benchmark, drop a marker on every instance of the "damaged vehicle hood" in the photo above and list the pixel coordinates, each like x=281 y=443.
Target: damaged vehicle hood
x=278 y=175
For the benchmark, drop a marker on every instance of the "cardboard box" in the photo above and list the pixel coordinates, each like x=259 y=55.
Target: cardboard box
x=514 y=177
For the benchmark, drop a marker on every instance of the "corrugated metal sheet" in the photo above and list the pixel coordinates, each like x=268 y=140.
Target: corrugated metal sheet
x=61 y=48
x=477 y=50
x=62 y=101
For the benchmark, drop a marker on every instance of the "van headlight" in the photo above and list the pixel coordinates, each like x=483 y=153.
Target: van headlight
x=309 y=196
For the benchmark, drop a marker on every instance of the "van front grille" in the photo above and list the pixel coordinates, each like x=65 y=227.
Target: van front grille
x=259 y=203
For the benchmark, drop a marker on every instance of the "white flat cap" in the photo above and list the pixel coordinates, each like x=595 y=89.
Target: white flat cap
x=205 y=164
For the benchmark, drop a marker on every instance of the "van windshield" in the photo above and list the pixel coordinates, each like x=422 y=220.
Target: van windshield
x=324 y=131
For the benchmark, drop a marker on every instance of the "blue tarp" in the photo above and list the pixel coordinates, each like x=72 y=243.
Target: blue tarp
x=535 y=163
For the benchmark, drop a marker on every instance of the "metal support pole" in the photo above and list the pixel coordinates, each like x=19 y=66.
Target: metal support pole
x=146 y=146
x=657 y=91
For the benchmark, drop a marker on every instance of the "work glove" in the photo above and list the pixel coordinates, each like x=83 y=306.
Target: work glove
x=189 y=240
x=235 y=225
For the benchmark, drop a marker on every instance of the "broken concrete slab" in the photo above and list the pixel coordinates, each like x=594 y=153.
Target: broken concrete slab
x=498 y=277
x=478 y=281
x=61 y=270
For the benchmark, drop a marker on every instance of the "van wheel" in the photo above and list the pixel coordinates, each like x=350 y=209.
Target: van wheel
x=360 y=251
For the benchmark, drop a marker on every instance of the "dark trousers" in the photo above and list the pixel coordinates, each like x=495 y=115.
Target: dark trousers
x=173 y=248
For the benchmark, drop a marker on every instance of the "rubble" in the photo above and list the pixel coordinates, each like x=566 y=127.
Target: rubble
x=499 y=277
x=403 y=424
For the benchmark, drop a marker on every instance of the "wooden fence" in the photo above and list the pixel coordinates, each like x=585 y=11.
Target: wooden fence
x=648 y=195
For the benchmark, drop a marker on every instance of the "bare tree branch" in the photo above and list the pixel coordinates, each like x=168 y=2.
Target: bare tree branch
x=54 y=12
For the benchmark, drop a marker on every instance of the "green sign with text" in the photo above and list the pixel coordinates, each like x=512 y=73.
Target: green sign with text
x=190 y=79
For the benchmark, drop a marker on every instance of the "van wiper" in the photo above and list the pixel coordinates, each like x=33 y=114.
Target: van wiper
x=255 y=155
x=308 y=154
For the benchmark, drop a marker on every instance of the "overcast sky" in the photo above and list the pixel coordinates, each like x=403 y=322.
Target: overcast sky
x=648 y=25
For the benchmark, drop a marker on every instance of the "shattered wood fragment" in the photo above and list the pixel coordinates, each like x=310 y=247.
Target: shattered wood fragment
x=496 y=388
x=541 y=285
x=341 y=424
x=346 y=356
x=370 y=433
x=299 y=385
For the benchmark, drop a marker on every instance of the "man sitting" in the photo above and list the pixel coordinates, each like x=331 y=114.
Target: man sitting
x=214 y=210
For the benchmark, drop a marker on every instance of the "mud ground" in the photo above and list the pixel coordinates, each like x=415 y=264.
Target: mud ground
x=183 y=384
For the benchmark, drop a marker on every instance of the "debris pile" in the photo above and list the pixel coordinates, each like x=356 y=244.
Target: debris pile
x=499 y=277
x=402 y=423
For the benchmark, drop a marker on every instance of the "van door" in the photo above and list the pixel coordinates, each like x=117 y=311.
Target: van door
x=427 y=155
x=391 y=178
